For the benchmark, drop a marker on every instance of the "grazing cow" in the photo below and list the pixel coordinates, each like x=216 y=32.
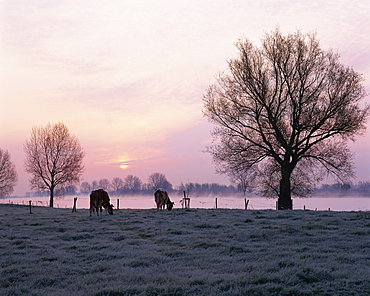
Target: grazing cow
x=162 y=199
x=98 y=199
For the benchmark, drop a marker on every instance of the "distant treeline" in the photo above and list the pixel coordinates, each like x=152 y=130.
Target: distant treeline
x=133 y=186
x=344 y=189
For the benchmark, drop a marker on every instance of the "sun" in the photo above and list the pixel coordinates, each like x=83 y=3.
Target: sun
x=123 y=166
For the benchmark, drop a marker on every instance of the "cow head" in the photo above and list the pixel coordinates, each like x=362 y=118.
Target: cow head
x=170 y=205
x=110 y=209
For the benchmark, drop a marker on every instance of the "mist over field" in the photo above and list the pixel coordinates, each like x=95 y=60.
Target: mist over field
x=183 y=252
x=334 y=203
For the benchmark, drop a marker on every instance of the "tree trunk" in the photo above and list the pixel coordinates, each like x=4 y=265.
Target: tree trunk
x=52 y=197
x=285 y=201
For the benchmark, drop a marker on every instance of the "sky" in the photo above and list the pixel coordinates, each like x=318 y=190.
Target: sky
x=127 y=77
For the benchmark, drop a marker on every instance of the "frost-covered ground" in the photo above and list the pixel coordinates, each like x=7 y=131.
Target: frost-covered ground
x=183 y=252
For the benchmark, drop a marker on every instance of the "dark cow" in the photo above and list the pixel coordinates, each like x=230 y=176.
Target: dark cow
x=162 y=199
x=98 y=199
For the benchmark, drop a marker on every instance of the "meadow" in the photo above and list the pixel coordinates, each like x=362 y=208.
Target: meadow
x=183 y=252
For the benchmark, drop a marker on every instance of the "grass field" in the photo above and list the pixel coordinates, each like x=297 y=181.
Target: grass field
x=183 y=252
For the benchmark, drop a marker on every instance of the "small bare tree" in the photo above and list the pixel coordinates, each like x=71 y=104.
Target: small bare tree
x=53 y=158
x=288 y=108
x=159 y=180
x=8 y=174
x=104 y=184
x=133 y=184
x=117 y=184
x=187 y=188
x=94 y=185
x=85 y=187
x=242 y=176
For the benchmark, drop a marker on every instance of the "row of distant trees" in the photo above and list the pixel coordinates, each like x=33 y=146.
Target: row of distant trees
x=132 y=185
x=344 y=189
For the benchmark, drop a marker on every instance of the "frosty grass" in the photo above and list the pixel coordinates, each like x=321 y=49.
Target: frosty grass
x=183 y=252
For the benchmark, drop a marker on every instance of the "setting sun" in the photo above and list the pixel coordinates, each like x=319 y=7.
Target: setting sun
x=123 y=166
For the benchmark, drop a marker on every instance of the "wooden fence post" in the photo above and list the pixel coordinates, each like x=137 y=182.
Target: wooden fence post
x=185 y=202
x=74 y=209
x=30 y=202
x=246 y=202
x=216 y=202
x=117 y=203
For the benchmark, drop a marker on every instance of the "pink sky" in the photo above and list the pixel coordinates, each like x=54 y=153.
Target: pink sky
x=127 y=77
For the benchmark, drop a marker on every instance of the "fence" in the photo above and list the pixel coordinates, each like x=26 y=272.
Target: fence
x=254 y=203
x=145 y=202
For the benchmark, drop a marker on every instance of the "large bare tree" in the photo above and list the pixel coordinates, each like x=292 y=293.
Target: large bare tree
x=8 y=174
x=53 y=158
x=287 y=108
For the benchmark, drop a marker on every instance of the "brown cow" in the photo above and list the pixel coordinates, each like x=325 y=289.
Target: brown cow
x=98 y=199
x=162 y=199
